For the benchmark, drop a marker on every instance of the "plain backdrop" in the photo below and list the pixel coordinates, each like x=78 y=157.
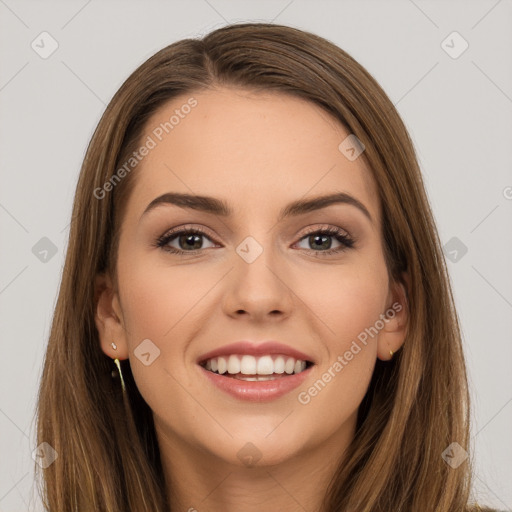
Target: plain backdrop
x=453 y=91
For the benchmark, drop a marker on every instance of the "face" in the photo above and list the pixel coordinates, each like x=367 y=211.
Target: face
x=191 y=281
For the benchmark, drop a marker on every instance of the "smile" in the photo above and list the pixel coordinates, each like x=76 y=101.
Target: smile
x=256 y=379
x=251 y=368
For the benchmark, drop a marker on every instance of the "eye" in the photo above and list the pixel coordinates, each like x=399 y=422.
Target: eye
x=185 y=240
x=322 y=239
x=191 y=240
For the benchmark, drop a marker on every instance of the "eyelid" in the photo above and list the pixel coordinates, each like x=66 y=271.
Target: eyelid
x=325 y=227
x=189 y=227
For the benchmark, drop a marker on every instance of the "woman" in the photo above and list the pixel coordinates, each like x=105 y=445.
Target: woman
x=306 y=353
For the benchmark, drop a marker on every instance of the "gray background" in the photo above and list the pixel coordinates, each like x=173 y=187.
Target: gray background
x=458 y=111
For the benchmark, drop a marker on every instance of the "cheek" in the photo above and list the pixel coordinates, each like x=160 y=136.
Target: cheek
x=349 y=306
x=356 y=306
x=159 y=304
x=157 y=297
x=346 y=299
x=165 y=305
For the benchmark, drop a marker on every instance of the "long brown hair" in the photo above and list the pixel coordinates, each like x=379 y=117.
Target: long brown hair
x=415 y=407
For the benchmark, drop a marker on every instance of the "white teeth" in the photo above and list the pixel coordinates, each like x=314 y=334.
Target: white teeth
x=265 y=366
x=258 y=378
x=222 y=365
x=233 y=365
x=289 y=365
x=279 y=364
x=249 y=365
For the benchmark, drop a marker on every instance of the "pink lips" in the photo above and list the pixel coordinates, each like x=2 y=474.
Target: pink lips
x=256 y=391
x=246 y=347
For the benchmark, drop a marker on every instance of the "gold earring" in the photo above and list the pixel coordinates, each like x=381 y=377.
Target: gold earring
x=391 y=354
x=118 y=364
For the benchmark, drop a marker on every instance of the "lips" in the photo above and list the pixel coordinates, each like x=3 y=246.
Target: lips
x=256 y=372
x=256 y=391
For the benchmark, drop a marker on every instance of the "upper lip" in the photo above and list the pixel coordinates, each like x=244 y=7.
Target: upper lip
x=253 y=349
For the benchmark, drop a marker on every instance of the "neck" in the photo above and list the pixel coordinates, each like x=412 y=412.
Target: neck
x=198 y=480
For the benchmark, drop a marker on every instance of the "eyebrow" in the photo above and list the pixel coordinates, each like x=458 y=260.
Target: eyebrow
x=219 y=207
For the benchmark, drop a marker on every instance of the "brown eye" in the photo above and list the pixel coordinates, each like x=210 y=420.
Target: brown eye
x=320 y=241
x=183 y=241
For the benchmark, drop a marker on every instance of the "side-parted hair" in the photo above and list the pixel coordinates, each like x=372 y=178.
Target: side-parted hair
x=416 y=405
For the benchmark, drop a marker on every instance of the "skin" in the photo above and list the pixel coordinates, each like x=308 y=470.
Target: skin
x=258 y=152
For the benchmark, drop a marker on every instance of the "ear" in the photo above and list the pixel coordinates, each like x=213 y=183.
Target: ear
x=396 y=317
x=108 y=319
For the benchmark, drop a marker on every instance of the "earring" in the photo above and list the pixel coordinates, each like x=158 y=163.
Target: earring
x=391 y=354
x=118 y=364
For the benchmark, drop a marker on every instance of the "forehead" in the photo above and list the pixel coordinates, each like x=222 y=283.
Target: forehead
x=251 y=149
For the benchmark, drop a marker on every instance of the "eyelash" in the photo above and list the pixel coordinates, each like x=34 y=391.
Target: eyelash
x=346 y=241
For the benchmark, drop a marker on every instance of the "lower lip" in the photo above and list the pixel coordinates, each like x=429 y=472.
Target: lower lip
x=254 y=391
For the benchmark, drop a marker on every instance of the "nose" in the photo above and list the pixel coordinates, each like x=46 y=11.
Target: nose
x=259 y=290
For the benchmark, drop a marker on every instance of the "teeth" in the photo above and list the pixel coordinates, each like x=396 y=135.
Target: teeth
x=222 y=365
x=289 y=366
x=265 y=366
x=258 y=378
x=233 y=365
x=250 y=365
x=279 y=364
